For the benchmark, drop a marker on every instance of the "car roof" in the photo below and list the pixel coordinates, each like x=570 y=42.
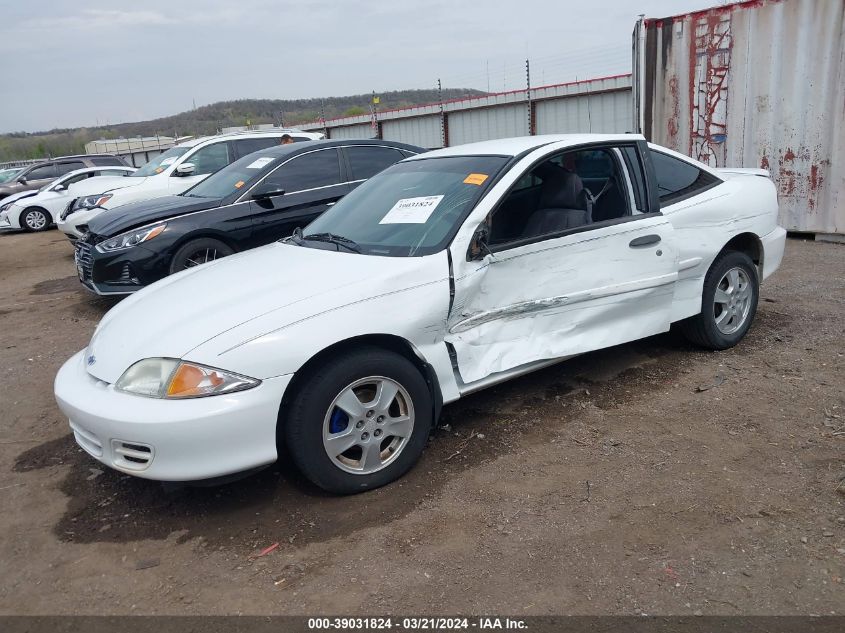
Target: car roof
x=86 y=170
x=291 y=149
x=57 y=159
x=243 y=134
x=521 y=144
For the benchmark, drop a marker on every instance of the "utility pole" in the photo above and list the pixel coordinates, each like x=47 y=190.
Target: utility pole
x=444 y=130
x=323 y=117
x=528 y=97
x=374 y=115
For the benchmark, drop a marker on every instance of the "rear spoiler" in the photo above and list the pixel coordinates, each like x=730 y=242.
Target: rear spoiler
x=743 y=171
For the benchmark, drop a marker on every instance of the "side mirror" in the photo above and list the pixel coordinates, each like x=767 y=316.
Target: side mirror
x=479 y=245
x=267 y=190
x=185 y=169
x=61 y=187
x=22 y=180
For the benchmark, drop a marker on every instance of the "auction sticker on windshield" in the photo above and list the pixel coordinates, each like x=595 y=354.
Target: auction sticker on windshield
x=412 y=210
x=259 y=162
x=475 y=179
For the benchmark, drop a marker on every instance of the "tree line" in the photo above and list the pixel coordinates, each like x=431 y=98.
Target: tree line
x=209 y=119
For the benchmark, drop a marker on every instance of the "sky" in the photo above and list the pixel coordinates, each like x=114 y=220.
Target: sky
x=96 y=62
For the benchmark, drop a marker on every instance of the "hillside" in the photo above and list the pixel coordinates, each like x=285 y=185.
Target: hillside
x=210 y=118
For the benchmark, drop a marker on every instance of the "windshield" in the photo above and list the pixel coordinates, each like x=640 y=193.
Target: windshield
x=160 y=162
x=412 y=208
x=233 y=178
x=7 y=174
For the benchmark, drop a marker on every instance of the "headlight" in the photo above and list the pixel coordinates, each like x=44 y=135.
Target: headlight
x=174 y=379
x=90 y=202
x=6 y=207
x=130 y=239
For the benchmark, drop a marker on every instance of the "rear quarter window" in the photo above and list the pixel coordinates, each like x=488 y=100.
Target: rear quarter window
x=678 y=179
x=368 y=160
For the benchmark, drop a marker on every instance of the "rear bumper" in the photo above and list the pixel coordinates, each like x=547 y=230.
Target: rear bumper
x=170 y=440
x=774 y=244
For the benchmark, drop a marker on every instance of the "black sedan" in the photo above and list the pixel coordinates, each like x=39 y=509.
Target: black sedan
x=258 y=199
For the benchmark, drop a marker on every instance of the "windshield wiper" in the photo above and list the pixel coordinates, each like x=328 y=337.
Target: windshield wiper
x=338 y=240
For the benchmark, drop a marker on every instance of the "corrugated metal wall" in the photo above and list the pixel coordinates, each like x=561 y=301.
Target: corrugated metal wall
x=362 y=130
x=597 y=105
x=606 y=112
x=423 y=131
x=754 y=84
x=485 y=123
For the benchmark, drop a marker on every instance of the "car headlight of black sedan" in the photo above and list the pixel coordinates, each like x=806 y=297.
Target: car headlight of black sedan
x=130 y=238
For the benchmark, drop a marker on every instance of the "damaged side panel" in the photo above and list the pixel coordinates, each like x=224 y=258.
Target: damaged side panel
x=562 y=297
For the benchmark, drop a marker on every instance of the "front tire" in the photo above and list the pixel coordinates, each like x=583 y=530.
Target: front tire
x=360 y=421
x=199 y=251
x=729 y=303
x=35 y=220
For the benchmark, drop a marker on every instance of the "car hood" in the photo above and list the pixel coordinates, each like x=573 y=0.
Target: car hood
x=101 y=184
x=17 y=196
x=114 y=221
x=220 y=305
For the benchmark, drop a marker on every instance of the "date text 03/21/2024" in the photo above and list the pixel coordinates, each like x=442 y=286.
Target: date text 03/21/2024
x=415 y=623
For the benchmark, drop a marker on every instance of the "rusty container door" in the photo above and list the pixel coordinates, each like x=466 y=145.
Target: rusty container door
x=753 y=84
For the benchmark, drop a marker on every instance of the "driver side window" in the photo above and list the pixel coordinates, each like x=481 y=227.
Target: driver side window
x=571 y=190
x=210 y=158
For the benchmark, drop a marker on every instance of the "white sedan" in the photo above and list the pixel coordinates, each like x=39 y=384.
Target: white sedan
x=36 y=210
x=447 y=273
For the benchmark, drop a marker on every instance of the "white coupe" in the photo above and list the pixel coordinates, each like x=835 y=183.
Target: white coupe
x=447 y=273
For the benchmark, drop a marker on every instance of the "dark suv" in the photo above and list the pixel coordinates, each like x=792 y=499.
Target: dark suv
x=38 y=174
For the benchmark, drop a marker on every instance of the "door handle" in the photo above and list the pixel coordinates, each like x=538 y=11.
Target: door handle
x=331 y=204
x=643 y=241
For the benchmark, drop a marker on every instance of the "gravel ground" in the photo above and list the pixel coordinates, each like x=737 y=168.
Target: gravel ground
x=649 y=478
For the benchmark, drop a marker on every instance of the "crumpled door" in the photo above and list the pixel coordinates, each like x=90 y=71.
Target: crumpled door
x=561 y=297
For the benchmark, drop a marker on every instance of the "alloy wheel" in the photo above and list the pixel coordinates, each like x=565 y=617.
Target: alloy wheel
x=201 y=256
x=732 y=300
x=368 y=424
x=35 y=220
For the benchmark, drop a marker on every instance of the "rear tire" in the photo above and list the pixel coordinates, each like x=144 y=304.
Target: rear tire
x=35 y=220
x=380 y=438
x=199 y=251
x=728 y=304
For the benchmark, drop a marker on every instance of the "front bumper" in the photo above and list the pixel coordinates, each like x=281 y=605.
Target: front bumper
x=6 y=221
x=70 y=230
x=118 y=273
x=170 y=440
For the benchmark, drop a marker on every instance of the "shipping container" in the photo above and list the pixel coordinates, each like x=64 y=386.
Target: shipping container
x=759 y=83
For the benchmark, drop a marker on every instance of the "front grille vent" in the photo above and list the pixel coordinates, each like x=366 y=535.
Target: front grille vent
x=84 y=261
x=131 y=455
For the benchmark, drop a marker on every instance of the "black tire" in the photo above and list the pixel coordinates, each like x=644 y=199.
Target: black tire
x=702 y=329
x=307 y=411
x=35 y=220
x=204 y=245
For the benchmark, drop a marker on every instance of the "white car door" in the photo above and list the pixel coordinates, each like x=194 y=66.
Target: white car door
x=554 y=291
x=206 y=160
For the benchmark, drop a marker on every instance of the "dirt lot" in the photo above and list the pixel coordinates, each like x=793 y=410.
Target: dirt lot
x=650 y=478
